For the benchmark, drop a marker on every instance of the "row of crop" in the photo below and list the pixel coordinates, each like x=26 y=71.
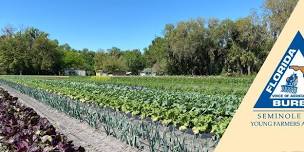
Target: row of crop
x=23 y=129
x=135 y=132
x=201 y=113
x=206 y=85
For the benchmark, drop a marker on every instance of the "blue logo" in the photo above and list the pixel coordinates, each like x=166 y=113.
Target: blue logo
x=285 y=89
x=291 y=84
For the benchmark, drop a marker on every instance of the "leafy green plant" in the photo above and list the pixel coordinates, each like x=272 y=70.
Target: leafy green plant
x=183 y=109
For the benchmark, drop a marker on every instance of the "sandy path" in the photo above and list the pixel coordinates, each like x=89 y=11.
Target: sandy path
x=81 y=133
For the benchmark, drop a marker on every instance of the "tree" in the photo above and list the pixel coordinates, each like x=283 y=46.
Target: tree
x=246 y=46
x=7 y=48
x=114 y=64
x=8 y=31
x=110 y=61
x=186 y=48
x=277 y=14
x=215 y=47
x=156 y=52
x=47 y=56
x=28 y=52
x=99 y=60
x=73 y=59
x=134 y=61
x=88 y=60
x=156 y=55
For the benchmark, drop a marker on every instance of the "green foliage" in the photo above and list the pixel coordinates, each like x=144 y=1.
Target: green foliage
x=32 y=52
x=138 y=133
x=88 y=57
x=240 y=46
x=110 y=61
x=72 y=59
x=182 y=108
x=134 y=61
x=28 y=52
x=277 y=13
x=219 y=127
x=155 y=55
x=191 y=48
x=207 y=85
x=202 y=123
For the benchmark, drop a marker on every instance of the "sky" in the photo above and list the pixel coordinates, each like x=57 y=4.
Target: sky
x=103 y=24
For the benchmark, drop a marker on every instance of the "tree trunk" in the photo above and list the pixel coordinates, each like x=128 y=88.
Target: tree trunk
x=241 y=70
x=249 y=70
x=240 y=67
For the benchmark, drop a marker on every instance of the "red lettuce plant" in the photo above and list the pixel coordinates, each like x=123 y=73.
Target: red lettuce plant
x=23 y=129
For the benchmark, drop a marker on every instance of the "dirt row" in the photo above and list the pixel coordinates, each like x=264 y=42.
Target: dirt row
x=81 y=133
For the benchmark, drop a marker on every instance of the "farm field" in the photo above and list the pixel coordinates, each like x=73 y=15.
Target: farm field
x=22 y=129
x=194 y=106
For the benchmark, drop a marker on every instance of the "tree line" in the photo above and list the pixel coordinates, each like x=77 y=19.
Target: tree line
x=193 y=47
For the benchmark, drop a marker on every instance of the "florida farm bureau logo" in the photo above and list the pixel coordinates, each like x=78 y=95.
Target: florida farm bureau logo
x=285 y=89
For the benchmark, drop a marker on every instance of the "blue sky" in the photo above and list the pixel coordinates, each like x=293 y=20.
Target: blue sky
x=102 y=24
